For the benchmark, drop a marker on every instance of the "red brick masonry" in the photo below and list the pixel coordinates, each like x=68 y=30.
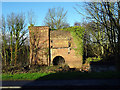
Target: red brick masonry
x=45 y=45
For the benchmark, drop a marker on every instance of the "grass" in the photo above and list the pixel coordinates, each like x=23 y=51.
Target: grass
x=53 y=73
x=62 y=76
x=81 y=75
x=23 y=76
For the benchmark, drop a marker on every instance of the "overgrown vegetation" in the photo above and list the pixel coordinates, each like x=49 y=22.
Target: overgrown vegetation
x=93 y=59
x=34 y=69
x=78 y=34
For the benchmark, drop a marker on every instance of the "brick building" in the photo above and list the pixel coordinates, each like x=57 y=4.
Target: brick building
x=51 y=47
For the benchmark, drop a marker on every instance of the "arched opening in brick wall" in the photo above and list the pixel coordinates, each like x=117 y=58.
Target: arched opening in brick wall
x=58 y=60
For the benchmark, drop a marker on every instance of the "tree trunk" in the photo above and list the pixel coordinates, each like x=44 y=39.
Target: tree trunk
x=16 y=53
x=5 y=56
x=11 y=62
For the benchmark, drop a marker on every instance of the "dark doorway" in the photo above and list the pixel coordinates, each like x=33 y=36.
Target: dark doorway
x=58 y=60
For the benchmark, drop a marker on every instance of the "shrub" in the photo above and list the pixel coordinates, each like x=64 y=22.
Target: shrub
x=93 y=59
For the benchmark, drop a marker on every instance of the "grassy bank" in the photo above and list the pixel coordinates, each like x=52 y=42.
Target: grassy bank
x=23 y=76
x=61 y=76
x=53 y=73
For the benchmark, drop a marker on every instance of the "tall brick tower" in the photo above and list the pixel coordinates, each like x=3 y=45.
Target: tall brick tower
x=39 y=45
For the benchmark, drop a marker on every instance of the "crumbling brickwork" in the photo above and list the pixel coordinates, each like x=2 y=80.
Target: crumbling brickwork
x=45 y=45
x=39 y=45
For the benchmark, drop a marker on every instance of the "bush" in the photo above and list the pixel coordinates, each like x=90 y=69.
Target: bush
x=34 y=69
x=93 y=59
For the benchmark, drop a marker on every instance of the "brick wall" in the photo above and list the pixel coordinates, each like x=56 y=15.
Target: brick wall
x=39 y=44
x=61 y=44
x=71 y=59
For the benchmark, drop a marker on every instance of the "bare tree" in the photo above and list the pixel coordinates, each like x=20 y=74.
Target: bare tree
x=106 y=16
x=56 y=18
x=31 y=18
x=4 y=43
x=10 y=25
x=16 y=26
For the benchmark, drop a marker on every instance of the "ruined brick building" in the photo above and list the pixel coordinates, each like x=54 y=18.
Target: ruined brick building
x=50 y=47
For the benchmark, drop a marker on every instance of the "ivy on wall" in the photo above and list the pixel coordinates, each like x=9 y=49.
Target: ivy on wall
x=77 y=33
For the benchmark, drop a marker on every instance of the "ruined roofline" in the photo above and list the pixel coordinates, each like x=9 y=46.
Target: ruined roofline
x=38 y=27
x=59 y=34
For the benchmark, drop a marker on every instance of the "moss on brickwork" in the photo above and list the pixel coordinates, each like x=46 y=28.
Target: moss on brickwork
x=77 y=33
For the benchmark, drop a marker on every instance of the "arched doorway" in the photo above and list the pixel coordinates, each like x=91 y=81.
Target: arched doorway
x=58 y=60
